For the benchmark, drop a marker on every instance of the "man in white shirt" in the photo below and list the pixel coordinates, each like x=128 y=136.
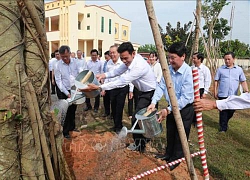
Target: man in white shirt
x=106 y=94
x=51 y=61
x=65 y=74
x=54 y=65
x=96 y=66
x=232 y=102
x=140 y=74
x=117 y=95
x=80 y=60
x=204 y=74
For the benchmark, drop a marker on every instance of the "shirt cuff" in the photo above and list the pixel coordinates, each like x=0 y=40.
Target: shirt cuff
x=221 y=104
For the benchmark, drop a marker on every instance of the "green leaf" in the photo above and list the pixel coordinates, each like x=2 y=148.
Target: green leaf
x=56 y=111
x=9 y=114
x=19 y=117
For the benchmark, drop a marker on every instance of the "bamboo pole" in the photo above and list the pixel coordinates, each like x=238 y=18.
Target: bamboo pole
x=169 y=85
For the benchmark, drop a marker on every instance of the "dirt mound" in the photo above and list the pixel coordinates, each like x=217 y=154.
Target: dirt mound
x=92 y=155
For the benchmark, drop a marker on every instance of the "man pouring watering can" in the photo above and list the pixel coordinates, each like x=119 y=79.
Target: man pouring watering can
x=140 y=74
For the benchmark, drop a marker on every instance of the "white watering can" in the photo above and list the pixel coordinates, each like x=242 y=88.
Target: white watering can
x=147 y=122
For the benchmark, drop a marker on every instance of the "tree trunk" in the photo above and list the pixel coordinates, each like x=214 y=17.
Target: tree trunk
x=197 y=26
x=25 y=99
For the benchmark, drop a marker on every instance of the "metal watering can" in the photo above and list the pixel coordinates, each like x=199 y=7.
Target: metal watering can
x=83 y=79
x=148 y=124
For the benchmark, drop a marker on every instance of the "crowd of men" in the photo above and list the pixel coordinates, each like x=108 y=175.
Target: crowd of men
x=125 y=73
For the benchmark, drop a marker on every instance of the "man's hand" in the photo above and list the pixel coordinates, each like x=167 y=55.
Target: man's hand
x=100 y=76
x=91 y=87
x=162 y=115
x=204 y=104
x=216 y=95
x=203 y=96
x=130 y=95
x=151 y=107
x=69 y=95
x=103 y=93
x=53 y=82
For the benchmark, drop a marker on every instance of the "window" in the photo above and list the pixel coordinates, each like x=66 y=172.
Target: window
x=88 y=15
x=102 y=24
x=124 y=32
x=110 y=24
x=79 y=25
x=88 y=27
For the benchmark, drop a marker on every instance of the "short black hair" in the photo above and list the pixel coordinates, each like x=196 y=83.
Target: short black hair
x=178 y=48
x=199 y=56
x=126 y=46
x=94 y=50
x=106 y=53
x=154 y=53
x=63 y=48
x=56 y=51
x=52 y=55
x=230 y=53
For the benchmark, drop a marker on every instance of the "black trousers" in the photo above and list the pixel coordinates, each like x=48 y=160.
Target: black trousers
x=69 y=122
x=107 y=102
x=117 y=97
x=97 y=102
x=132 y=103
x=174 y=147
x=144 y=100
x=201 y=91
x=225 y=116
x=53 y=87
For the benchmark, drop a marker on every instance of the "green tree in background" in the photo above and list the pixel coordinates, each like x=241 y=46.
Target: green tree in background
x=147 y=48
x=240 y=49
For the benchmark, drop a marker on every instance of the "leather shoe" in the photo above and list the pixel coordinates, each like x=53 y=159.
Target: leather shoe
x=87 y=108
x=163 y=157
x=105 y=115
x=96 y=110
x=76 y=130
x=174 y=166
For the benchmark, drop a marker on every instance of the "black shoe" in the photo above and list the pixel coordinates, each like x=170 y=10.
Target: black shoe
x=67 y=136
x=96 y=110
x=76 y=130
x=112 y=129
x=163 y=157
x=87 y=108
x=105 y=115
x=174 y=166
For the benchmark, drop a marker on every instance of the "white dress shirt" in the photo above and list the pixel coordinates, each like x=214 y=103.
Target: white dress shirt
x=234 y=102
x=81 y=63
x=139 y=73
x=65 y=75
x=95 y=66
x=204 y=77
x=51 y=62
x=157 y=71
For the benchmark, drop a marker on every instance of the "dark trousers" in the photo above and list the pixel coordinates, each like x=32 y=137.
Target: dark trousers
x=107 y=102
x=97 y=102
x=117 y=97
x=174 y=147
x=53 y=87
x=144 y=100
x=132 y=103
x=69 y=122
x=201 y=91
x=225 y=115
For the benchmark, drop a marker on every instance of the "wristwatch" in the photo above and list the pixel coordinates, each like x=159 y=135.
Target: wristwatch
x=100 y=88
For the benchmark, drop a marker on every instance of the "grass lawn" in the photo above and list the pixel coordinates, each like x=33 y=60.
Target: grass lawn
x=227 y=154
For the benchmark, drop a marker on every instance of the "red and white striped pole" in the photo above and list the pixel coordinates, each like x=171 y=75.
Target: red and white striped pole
x=200 y=124
x=146 y=173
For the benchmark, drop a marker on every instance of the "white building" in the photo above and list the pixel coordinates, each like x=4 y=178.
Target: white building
x=84 y=27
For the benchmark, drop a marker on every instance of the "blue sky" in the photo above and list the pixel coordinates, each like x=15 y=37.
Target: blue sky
x=173 y=11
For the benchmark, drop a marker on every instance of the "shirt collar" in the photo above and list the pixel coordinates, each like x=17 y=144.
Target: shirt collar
x=181 y=70
x=133 y=62
x=225 y=67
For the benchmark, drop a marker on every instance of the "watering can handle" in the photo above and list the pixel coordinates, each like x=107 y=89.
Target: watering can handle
x=86 y=77
x=147 y=112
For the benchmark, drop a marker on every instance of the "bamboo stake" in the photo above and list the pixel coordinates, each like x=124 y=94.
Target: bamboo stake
x=169 y=85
